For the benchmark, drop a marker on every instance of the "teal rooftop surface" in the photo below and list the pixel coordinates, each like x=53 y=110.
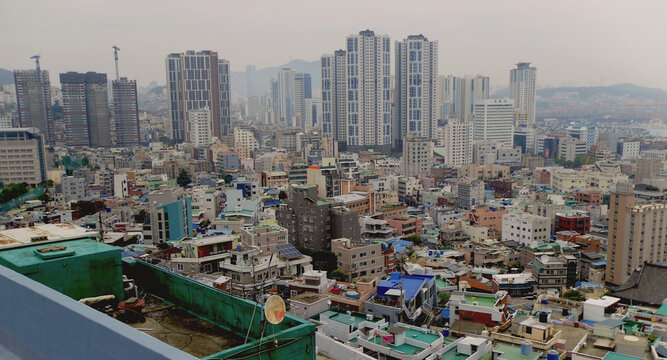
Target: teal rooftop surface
x=28 y=255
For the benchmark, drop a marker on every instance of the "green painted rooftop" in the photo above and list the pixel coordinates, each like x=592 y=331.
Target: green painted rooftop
x=420 y=336
x=511 y=352
x=452 y=354
x=26 y=256
x=405 y=348
x=482 y=301
x=617 y=356
x=662 y=310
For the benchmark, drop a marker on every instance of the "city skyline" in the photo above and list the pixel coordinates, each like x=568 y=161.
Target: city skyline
x=547 y=38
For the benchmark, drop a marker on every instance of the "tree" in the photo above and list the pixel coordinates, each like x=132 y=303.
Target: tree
x=282 y=195
x=443 y=298
x=183 y=178
x=44 y=198
x=574 y=295
x=228 y=178
x=338 y=275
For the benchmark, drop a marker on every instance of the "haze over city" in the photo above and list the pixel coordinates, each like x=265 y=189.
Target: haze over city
x=574 y=43
x=347 y=180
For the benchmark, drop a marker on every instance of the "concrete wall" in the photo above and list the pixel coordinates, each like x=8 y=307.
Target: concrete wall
x=45 y=324
x=336 y=350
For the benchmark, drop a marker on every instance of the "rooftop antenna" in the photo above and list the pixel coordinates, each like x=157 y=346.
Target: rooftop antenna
x=115 y=57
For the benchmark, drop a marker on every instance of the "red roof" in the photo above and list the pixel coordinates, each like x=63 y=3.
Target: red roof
x=475 y=284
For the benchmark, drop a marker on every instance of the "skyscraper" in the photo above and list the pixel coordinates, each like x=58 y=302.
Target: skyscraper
x=368 y=92
x=125 y=111
x=417 y=155
x=286 y=106
x=458 y=143
x=493 y=120
x=334 y=96
x=416 y=74
x=86 y=109
x=313 y=114
x=199 y=127
x=196 y=80
x=250 y=79
x=522 y=91
x=637 y=234
x=33 y=96
x=302 y=91
x=457 y=95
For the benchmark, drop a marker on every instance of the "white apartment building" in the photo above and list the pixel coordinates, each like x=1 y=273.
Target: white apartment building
x=522 y=92
x=6 y=121
x=570 y=148
x=244 y=138
x=205 y=202
x=526 y=229
x=199 y=129
x=417 y=155
x=494 y=120
x=73 y=188
x=628 y=150
x=368 y=91
x=457 y=96
x=22 y=156
x=120 y=186
x=458 y=143
x=334 y=95
x=416 y=71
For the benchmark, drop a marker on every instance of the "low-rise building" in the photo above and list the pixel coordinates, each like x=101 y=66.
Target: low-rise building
x=576 y=220
x=403 y=296
x=358 y=260
x=555 y=272
x=514 y=284
x=525 y=229
x=487 y=309
x=203 y=255
x=266 y=237
x=406 y=225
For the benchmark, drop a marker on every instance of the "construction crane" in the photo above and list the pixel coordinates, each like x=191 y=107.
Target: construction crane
x=43 y=101
x=115 y=57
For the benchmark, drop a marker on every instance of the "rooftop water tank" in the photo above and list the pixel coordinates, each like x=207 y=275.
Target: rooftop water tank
x=526 y=348
x=552 y=355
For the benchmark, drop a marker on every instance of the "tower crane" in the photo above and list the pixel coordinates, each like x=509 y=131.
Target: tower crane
x=115 y=57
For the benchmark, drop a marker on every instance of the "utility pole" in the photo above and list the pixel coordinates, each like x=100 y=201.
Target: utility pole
x=115 y=57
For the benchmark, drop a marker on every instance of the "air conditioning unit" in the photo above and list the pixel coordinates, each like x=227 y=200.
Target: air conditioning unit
x=369 y=317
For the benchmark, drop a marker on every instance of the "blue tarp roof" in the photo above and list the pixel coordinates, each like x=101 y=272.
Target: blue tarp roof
x=599 y=263
x=409 y=283
x=272 y=203
x=584 y=284
x=445 y=313
x=224 y=232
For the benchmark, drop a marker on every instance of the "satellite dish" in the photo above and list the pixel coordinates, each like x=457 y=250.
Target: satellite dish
x=274 y=309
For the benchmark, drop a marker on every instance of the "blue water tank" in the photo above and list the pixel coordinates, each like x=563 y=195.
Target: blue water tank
x=544 y=301
x=552 y=355
x=239 y=247
x=526 y=348
x=445 y=332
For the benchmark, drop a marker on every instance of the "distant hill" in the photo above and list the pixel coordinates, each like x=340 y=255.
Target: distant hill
x=585 y=93
x=260 y=84
x=6 y=77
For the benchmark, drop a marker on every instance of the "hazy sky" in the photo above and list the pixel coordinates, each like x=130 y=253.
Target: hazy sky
x=570 y=42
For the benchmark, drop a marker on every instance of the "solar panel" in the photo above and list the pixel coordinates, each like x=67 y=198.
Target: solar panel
x=288 y=251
